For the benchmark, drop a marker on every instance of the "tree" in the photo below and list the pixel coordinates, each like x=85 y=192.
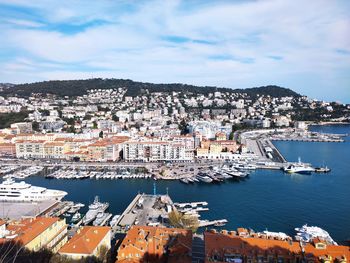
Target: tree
x=35 y=126
x=60 y=113
x=94 y=125
x=6 y=119
x=115 y=118
x=71 y=129
x=44 y=112
x=69 y=121
x=180 y=220
x=231 y=136
x=100 y=134
x=183 y=127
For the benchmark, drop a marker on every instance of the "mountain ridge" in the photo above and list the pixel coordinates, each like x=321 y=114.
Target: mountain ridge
x=134 y=88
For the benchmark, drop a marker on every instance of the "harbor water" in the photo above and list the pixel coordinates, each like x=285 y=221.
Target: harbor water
x=266 y=200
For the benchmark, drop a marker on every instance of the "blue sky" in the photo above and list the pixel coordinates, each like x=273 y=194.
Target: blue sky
x=302 y=45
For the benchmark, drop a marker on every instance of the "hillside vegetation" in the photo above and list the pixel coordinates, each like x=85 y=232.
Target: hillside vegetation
x=80 y=87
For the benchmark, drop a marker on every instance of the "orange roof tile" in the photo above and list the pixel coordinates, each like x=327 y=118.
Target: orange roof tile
x=85 y=241
x=28 y=229
x=142 y=239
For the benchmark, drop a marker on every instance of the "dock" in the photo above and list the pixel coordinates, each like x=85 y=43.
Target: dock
x=205 y=223
x=18 y=210
x=193 y=204
x=60 y=209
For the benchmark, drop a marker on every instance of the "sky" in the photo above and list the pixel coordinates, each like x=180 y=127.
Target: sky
x=297 y=44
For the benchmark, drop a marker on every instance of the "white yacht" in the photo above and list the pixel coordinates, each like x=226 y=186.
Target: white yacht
x=308 y=233
x=94 y=208
x=299 y=168
x=24 y=192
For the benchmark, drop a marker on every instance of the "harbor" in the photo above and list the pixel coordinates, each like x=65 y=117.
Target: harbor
x=238 y=201
x=261 y=153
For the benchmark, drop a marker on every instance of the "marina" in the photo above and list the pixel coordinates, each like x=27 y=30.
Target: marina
x=238 y=201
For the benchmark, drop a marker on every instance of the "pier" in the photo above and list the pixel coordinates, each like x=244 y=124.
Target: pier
x=60 y=209
x=193 y=204
x=205 y=223
x=303 y=139
x=17 y=210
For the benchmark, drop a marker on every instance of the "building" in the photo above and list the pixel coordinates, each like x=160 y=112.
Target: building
x=156 y=244
x=30 y=149
x=38 y=233
x=7 y=149
x=54 y=150
x=319 y=251
x=107 y=149
x=155 y=151
x=22 y=127
x=88 y=241
x=220 y=136
x=242 y=246
x=300 y=125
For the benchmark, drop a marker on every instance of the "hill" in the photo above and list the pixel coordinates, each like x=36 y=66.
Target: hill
x=80 y=87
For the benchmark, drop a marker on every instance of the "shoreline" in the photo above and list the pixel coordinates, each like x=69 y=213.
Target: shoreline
x=329 y=123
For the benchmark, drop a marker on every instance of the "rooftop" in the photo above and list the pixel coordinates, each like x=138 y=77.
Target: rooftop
x=30 y=228
x=85 y=241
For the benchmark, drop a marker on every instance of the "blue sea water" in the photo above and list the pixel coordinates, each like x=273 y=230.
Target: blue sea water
x=266 y=200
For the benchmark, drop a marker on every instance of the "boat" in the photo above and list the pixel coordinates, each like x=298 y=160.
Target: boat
x=101 y=218
x=76 y=217
x=24 y=192
x=219 y=223
x=184 y=180
x=190 y=180
x=204 y=178
x=75 y=208
x=308 y=233
x=114 y=220
x=299 y=168
x=94 y=209
x=322 y=169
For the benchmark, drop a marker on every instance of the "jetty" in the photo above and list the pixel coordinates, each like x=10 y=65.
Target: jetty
x=192 y=204
x=205 y=223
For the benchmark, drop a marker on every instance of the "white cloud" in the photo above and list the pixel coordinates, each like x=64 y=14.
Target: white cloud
x=133 y=43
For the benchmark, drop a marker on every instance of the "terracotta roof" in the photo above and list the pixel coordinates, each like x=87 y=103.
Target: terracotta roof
x=54 y=144
x=7 y=144
x=85 y=241
x=226 y=243
x=178 y=242
x=31 y=141
x=330 y=250
x=229 y=243
x=28 y=229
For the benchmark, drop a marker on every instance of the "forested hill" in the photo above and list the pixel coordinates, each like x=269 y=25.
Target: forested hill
x=80 y=87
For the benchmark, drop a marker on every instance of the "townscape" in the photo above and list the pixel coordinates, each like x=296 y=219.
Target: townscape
x=176 y=131
x=107 y=135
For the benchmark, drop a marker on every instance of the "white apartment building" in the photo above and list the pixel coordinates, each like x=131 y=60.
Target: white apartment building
x=30 y=149
x=151 y=151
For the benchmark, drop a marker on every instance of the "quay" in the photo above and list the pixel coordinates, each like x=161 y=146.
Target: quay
x=60 y=209
x=205 y=223
x=18 y=210
x=303 y=139
x=153 y=210
x=193 y=204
